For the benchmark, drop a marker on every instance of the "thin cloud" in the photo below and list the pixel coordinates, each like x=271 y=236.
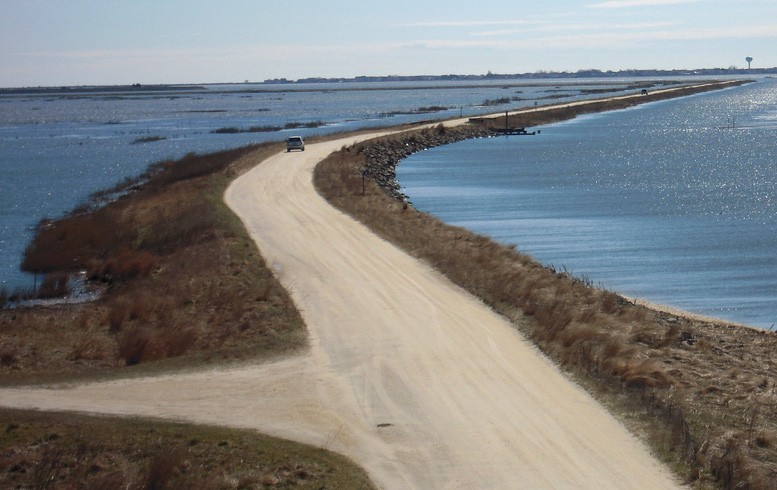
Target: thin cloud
x=610 y=39
x=566 y=27
x=617 y=4
x=470 y=23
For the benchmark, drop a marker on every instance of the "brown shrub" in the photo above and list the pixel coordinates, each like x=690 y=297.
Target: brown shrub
x=69 y=243
x=614 y=354
x=129 y=264
x=117 y=315
x=177 y=341
x=109 y=481
x=555 y=316
x=54 y=285
x=610 y=302
x=352 y=180
x=764 y=438
x=88 y=349
x=645 y=374
x=191 y=221
x=142 y=307
x=634 y=314
x=140 y=343
x=163 y=174
x=587 y=316
x=9 y=357
x=727 y=462
x=672 y=333
x=134 y=345
x=647 y=335
x=163 y=468
x=46 y=468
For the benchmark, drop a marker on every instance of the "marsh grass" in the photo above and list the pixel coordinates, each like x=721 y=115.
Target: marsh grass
x=55 y=450
x=269 y=129
x=185 y=287
x=182 y=281
x=148 y=139
x=669 y=377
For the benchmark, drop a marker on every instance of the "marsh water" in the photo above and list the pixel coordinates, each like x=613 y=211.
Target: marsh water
x=58 y=146
x=674 y=202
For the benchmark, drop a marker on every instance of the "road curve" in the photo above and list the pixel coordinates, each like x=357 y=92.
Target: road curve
x=442 y=392
x=411 y=377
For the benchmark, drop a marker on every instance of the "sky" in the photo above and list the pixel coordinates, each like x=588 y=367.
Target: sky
x=108 y=42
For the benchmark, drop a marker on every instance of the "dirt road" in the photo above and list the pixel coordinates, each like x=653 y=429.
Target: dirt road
x=411 y=377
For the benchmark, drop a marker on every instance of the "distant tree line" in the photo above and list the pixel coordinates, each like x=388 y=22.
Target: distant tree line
x=591 y=73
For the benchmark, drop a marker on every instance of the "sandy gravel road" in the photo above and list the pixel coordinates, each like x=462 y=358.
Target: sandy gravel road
x=411 y=377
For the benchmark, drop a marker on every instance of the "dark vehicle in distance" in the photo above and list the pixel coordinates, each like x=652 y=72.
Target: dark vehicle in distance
x=295 y=143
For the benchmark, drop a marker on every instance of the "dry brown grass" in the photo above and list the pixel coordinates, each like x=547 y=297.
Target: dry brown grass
x=183 y=286
x=690 y=386
x=182 y=282
x=47 y=450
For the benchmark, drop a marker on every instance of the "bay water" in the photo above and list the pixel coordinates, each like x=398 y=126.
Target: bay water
x=674 y=202
x=58 y=146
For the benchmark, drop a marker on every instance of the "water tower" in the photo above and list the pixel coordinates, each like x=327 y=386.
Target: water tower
x=748 y=59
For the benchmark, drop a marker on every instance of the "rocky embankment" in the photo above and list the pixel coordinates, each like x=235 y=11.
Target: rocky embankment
x=383 y=156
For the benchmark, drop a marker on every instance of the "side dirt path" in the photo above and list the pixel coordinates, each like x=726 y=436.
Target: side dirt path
x=408 y=375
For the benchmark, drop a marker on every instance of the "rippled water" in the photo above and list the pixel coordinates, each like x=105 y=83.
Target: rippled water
x=58 y=148
x=674 y=202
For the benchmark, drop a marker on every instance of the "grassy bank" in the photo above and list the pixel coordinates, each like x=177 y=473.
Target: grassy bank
x=182 y=286
x=76 y=451
x=701 y=393
x=182 y=283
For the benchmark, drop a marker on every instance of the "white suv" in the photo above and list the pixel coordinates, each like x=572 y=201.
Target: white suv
x=295 y=143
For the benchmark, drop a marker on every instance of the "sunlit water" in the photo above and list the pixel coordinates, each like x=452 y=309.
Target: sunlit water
x=56 y=150
x=674 y=202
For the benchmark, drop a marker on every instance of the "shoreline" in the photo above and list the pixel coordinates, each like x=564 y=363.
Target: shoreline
x=382 y=162
x=656 y=366
x=664 y=308
x=697 y=388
